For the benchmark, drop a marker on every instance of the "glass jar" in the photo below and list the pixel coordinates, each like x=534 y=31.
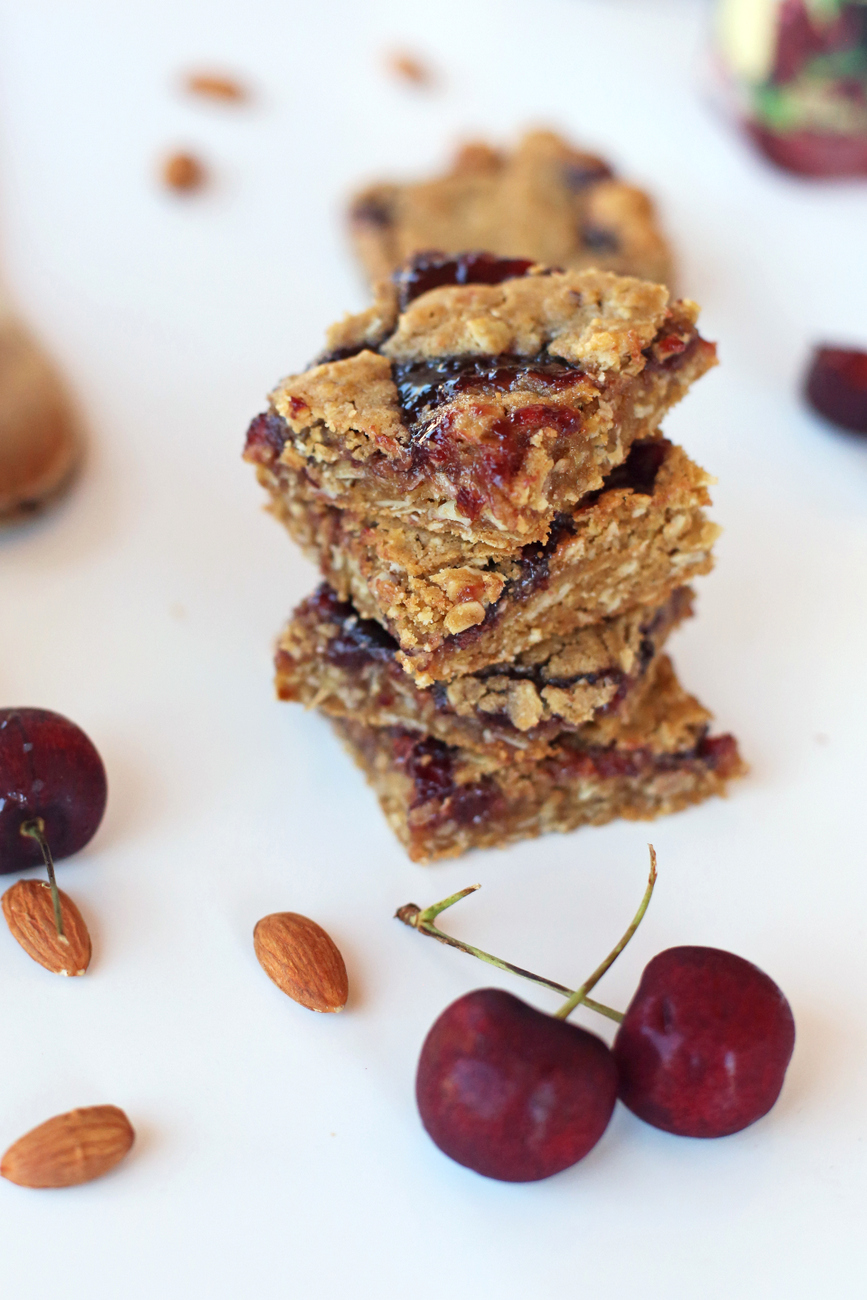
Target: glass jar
x=799 y=72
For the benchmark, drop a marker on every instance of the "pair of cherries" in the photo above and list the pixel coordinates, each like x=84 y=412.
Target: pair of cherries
x=518 y=1095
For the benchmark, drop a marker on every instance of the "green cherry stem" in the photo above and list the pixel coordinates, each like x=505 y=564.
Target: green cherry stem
x=580 y=995
x=36 y=831
x=424 y=922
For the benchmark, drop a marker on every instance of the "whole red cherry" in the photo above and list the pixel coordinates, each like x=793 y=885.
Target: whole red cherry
x=837 y=387
x=511 y=1092
x=49 y=769
x=704 y=1044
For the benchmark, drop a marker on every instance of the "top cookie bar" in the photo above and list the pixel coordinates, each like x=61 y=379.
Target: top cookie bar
x=481 y=397
x=545 y=201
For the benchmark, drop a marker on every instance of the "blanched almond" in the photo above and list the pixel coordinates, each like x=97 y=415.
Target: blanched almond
x=302 y=960
x=69 y=1149
x=29 y=913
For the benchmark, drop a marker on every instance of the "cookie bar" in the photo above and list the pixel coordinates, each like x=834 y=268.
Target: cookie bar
x=329 y=658
x=441 y=800
x=453 y=612
x=545 y=200
x=482 y=397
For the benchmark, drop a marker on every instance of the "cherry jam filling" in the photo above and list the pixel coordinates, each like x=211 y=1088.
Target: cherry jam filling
x=372 y=211
x=718 y=753
x=600 y=239
x=429 y=763
x=430 y=766
x=673 y=351
x=266 y=436
x=435 y=441
x=494 y=462
x=579 y=176
x=637 y=473
x=422 y=386
x=359 y=641
x=431 y=270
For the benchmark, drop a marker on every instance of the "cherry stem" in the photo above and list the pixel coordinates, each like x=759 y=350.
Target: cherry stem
x=580 y=995
x=423 y=921
x=36 y=830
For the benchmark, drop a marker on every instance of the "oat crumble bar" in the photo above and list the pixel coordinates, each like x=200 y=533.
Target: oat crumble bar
x=481 y=398
x=330 y=659
x=442 y=800
x=545 y=200
x=630 y=543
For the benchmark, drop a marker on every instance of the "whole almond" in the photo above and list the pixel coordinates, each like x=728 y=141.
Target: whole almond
x=69 y=1149
x=302 y=960
x=39 y=440
x=216 y=85
x=29 y=913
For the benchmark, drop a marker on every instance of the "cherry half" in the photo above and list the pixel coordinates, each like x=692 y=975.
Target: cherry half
x=52 y=783
x=837 y=386
x=511 y=1092
x=705 y=1042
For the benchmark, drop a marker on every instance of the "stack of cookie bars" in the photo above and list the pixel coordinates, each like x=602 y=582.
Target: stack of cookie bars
x=506 y=537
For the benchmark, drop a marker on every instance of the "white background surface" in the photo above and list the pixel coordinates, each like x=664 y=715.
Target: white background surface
x=279 y=1153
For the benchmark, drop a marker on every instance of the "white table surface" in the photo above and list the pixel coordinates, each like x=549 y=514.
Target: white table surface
x=278 y=1152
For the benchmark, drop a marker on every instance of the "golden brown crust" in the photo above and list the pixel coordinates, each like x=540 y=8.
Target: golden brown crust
x=451 y=617
x=596 y=320
x=327 y=658
x=545 y=200
x=442 y=800
x=491 y=449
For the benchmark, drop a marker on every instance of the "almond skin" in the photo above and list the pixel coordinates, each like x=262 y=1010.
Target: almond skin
x=69 y=1149
x=39 y=443
x=302 y=960
x=29 y=913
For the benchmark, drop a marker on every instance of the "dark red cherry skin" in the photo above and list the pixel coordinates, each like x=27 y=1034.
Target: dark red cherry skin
x=837 y=387
x=511 y=1092
x=704 y=1044
x=49 y=769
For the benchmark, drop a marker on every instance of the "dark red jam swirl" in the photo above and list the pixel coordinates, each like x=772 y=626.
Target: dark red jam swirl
x=357 y=641
x=431 y=270
x=430 y=766
x=485 y=468
x=580 y=175
x=637 y=473
x=373 y=210
x=422 y=386
x=266 y=436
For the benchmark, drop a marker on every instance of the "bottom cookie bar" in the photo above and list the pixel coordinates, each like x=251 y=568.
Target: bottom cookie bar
x=441 y=800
